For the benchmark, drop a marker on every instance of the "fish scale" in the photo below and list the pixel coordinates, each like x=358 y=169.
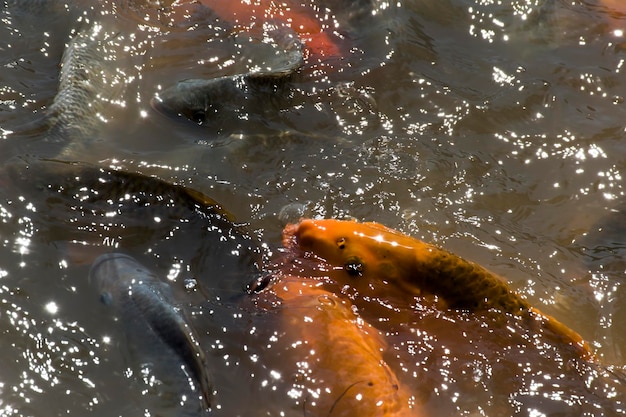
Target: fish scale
x=204 y=100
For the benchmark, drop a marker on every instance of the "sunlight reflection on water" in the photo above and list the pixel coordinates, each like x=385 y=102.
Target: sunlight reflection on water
x=494 y=129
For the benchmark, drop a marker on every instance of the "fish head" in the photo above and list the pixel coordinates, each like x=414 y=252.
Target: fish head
x=357 y=252
x=201 y=100
x=113 y=273
x=191 y=99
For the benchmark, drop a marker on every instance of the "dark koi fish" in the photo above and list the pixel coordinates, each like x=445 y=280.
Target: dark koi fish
x=157 y=331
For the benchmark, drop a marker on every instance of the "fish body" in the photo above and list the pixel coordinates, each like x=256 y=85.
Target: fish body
x=158 y=332
x=203 y=100
x=88 y=83
x=370 y=256
x=318 y=39
x=342 y=369
x=98 y=207
x=74 y=112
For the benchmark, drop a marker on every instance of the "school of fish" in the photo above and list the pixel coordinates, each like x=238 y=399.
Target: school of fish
x=344 y=352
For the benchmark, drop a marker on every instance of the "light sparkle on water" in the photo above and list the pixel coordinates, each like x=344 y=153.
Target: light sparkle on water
x=52 y=307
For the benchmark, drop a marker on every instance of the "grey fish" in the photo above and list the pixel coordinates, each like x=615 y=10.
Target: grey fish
x=203 y=100
x=88 y=83
x=157 y=330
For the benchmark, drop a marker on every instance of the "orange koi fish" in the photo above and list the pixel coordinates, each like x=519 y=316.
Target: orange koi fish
x=318 y=37
x=343 y=371
x=370 y=256
x=615 y=5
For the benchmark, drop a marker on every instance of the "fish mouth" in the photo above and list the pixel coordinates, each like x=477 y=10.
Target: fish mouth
x=302 y=235
x=197 y=117
x=160 y=107
x=290 y=232
x=308 y=240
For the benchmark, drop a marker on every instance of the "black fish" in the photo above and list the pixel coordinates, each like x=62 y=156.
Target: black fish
x=98 y=206
x=234 y=97
x=158 y=332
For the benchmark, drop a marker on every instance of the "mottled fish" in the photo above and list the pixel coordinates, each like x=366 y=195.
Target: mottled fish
x=370 y=256
x=88 y=83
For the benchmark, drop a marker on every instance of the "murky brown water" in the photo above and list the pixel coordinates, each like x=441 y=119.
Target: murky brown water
x=493 y=129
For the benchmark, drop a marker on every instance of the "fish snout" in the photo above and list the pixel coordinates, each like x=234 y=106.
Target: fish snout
x=301 y=235
x=164 y=107
x=106 y=269
x=175 y=110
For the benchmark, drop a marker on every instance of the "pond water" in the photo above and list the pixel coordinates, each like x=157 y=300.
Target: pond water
x=492 y=129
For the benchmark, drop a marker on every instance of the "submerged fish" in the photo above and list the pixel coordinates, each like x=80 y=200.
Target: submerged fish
x=158 y=332
x=87 y=84
x=318 y=38
x=83 y=84
x=202 y=100
x=340 y=366
x=97 y=206
x=370 y=256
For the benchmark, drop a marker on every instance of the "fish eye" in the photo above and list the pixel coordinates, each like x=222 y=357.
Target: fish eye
x=106 y=298
x=259 y=284
x=354 y=267
x=341 y=243
x=198 y=116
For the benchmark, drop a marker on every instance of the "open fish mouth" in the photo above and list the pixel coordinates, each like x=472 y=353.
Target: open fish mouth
x=300 y=257
x=290 y=239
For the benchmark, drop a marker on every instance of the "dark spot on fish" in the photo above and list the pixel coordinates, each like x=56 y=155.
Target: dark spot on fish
x=198 y=117
x=259 y=284
x=341 y=243
x=106 y=298
x=354 y=266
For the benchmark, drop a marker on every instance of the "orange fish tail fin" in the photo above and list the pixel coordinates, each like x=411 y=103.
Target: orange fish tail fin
x=565 y=334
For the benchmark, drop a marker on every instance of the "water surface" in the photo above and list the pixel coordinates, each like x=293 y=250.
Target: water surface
x=493 y=129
